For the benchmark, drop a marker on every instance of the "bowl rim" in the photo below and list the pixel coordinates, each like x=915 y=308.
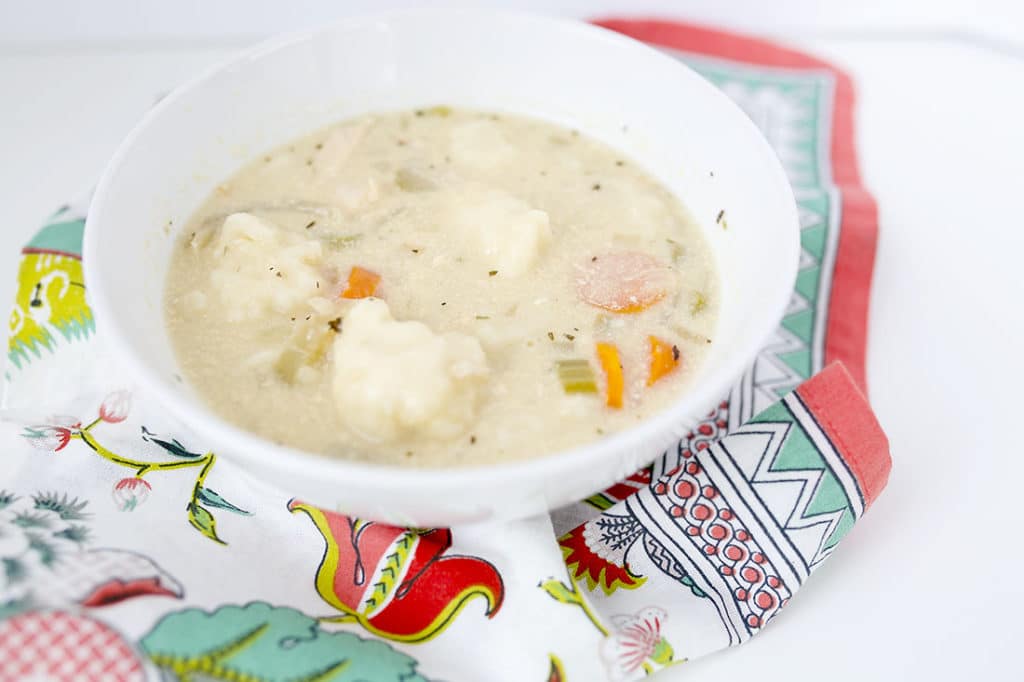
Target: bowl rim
x=246 y=445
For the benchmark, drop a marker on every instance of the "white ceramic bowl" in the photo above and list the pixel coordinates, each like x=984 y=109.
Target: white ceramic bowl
x=646 y=104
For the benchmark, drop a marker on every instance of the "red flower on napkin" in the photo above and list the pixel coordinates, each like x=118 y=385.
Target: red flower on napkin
x=636 y=643
x=610 y=573
x=52 y=438
x=398 y=583
x=115 y=407
x=130 y=492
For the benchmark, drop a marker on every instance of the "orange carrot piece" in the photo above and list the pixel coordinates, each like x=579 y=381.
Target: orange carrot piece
x=608 y=355
x=362 y=283
x=623 y=282
x=664 y=359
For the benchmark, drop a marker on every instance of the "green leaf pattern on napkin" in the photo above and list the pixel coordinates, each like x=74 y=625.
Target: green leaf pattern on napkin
x=263 y=643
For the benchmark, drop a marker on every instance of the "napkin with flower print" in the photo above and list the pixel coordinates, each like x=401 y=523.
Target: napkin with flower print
x=130 y=551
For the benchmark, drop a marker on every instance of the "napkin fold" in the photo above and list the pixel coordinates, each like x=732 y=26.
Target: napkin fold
x=129 y=551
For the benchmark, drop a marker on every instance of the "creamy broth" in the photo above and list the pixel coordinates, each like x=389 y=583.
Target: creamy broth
x=513 y=266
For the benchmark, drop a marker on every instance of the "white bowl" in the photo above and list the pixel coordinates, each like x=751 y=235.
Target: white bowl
x=642 y=102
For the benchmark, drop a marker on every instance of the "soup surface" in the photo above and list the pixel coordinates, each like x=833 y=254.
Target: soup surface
x=440 y=288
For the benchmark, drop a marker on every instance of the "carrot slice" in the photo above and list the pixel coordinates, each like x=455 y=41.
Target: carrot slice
x=608 y=355
x=362 y=283
x=664 y=359
x=623 y=282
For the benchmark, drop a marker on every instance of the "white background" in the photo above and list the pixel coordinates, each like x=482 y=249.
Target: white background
x=928 y=585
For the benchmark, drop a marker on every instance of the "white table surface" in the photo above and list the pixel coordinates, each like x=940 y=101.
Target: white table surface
x=927 y=586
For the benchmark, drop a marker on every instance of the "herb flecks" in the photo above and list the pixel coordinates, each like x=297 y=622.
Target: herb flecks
x=339 y=242
x=492 y=273
x=677 y=249
x=700 y=302
x=335 y=325
x=310 y=224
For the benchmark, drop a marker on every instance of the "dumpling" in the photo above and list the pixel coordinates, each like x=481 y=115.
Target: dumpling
x=260 y=268
x=481 y=145
x=352 y=185
x=508 y=235
x=397 y=379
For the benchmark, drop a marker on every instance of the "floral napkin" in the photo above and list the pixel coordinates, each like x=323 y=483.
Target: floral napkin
x=128 y=551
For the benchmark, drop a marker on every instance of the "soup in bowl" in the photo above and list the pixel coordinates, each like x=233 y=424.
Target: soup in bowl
x=407 y=270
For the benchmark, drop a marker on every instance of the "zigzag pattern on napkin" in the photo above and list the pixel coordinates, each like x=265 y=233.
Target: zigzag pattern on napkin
x=747 y=519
